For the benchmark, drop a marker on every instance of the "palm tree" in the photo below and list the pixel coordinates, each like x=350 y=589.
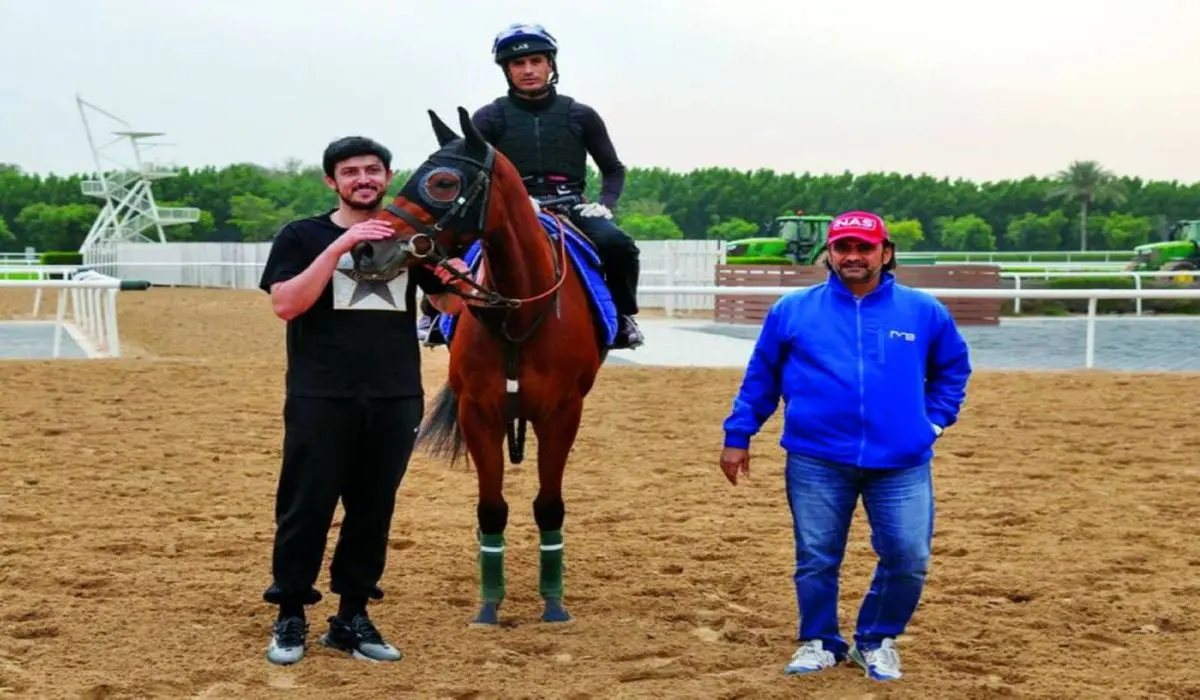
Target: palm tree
x=1085 y=182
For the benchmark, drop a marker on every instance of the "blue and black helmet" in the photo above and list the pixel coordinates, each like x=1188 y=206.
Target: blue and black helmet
x=518 y=40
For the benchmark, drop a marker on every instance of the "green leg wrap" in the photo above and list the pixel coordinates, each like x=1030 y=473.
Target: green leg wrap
x=550 y=581
x=491 y=568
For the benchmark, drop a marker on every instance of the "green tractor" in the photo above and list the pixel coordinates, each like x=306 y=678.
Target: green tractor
x=1181 y=250
x=793 y=239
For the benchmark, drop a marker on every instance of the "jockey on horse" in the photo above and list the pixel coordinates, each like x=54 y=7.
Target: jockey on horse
x=548 y=137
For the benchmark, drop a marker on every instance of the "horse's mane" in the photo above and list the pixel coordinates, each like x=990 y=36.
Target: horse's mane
x=513 y=205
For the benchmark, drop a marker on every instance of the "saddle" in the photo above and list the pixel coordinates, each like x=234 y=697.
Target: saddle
x=561 y=212
x=582 y=254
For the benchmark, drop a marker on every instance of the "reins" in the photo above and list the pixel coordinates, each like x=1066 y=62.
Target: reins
x=424 y=244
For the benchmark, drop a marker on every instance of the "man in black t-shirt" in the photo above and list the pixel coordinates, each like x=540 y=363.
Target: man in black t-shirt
x=354 y=401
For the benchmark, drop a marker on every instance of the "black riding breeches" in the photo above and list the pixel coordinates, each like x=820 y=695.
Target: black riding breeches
x=620 y=256
x=355 y=449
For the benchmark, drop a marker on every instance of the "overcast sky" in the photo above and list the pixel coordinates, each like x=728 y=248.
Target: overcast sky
x=982 y=90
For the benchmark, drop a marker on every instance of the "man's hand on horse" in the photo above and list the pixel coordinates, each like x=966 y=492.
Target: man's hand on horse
x=593 y=209
x=735 y=461
x=369 y=230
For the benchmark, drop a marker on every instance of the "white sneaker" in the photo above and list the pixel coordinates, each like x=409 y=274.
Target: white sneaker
x=882 y=664
x=810 y=658
x=287 y=641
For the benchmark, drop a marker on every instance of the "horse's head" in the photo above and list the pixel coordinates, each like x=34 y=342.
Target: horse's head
x=440 y=210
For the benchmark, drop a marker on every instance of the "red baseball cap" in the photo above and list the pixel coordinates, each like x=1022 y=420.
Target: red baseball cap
x=862 y=225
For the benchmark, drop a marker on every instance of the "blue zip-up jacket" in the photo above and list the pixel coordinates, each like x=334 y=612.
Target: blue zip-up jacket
x=863 y=381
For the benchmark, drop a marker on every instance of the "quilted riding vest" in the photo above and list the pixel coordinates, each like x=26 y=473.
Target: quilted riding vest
x=543 y=145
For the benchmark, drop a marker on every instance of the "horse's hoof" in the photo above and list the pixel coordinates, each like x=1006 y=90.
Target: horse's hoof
x=488 y=615
x=555 y=612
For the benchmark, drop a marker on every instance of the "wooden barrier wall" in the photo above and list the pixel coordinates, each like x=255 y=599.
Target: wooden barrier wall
x=752 y=310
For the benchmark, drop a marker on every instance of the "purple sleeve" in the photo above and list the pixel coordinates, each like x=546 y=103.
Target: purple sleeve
x=600 y=146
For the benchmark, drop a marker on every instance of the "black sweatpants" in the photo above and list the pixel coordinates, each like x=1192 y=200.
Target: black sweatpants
x=357 y=449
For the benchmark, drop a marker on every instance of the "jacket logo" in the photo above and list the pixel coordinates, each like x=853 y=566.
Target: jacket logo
x=909 y=337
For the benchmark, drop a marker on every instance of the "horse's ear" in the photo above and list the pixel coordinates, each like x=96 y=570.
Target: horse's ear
x=444 y=133
x=475 y=140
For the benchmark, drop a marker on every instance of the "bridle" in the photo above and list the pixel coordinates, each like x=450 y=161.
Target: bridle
x=424 y=244
x=455 y=221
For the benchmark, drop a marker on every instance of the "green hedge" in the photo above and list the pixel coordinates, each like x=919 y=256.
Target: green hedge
x=1059 y=307
x=61 y=257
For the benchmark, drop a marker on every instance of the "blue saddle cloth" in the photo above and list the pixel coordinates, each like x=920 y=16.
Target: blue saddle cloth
x=583 y=256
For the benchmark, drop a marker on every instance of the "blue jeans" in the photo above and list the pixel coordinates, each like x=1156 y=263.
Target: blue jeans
x=899 y=505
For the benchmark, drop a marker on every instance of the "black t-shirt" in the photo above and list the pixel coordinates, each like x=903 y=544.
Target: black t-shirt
x=357 y=339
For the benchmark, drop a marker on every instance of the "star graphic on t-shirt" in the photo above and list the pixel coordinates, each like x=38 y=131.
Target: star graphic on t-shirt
x=364 y=288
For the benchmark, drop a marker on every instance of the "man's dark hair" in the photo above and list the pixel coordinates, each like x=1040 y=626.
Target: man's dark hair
x=890 y=264
x=351 y=146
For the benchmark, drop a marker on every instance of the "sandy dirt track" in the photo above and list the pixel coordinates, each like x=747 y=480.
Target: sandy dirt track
x=136 y=520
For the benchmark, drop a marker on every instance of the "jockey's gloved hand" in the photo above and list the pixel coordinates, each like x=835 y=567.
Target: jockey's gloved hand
x=593 y=209
x=537 y=207
x=449 y=279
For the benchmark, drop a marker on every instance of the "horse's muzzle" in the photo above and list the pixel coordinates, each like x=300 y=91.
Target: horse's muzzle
x=379 y=260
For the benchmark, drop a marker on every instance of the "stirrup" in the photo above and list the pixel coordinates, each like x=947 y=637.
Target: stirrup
x=629 y=336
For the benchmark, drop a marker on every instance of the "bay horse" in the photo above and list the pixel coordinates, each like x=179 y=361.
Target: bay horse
x=536 y=332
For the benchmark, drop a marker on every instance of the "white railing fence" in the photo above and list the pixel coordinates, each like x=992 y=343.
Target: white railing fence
x=1017 y=278
x=239 y=266
x=1022 y=256
x=92 y=293
x=1091 y=295
x=36 y=272
x=228 y=265
x=27 y=257
x=86 y=308
x=664 y=264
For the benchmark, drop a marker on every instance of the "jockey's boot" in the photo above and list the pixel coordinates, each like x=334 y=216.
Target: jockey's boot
x=629 y=336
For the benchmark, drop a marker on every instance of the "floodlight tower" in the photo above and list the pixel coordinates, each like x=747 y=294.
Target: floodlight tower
x=130 y=213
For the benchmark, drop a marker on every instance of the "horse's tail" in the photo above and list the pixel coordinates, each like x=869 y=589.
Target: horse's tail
x=440 y=435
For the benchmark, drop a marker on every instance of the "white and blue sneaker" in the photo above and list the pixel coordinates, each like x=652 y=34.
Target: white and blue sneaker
x=882 y=664
x=360 y=639
x=288 y=638
x=810 y=658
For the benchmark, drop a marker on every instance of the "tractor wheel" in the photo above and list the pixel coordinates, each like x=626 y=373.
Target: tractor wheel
x=1182 y=266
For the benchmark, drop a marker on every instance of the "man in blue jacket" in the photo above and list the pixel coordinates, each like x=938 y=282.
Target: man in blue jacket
x=871 y=372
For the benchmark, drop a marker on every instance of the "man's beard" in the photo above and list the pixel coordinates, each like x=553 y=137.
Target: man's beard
x=857 y=273
x=363 y=206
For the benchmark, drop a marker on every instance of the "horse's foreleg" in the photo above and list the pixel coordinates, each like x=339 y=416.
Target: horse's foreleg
x=556 y=435
x=484 y=435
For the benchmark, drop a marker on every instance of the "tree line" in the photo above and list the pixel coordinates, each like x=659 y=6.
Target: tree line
x=1083 y=205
